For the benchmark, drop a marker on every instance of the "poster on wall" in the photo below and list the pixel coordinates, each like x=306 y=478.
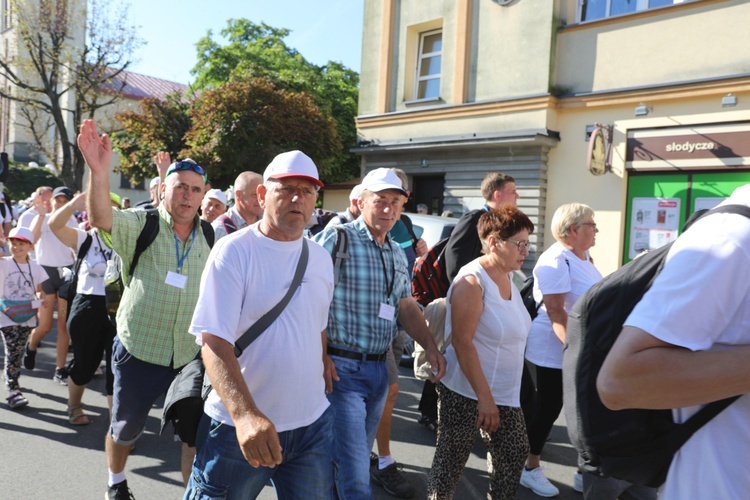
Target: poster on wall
x=654 y=223
x=707 y=203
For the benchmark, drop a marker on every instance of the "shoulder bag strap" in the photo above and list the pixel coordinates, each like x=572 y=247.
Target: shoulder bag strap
x=265 y=321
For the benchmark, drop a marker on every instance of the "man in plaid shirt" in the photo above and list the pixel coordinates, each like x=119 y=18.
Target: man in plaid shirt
x=373 y=291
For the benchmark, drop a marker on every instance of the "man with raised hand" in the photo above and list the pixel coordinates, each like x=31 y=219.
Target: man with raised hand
x=152 y=341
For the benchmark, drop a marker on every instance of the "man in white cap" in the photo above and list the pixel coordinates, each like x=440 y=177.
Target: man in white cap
x=373 y=291
x=269 y=417
x=351 y=213
x=214 y=204
x=246 y=209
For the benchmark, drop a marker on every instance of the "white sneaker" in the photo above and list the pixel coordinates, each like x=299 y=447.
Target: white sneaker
x=578 y=481
x=535 y=481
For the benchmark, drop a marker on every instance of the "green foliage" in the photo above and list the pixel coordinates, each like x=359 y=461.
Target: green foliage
x=242 y=125
x=22 y=180
x=258 y=50
x=157 y=126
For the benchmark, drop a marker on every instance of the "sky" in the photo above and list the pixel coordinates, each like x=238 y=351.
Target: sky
x=321 y=30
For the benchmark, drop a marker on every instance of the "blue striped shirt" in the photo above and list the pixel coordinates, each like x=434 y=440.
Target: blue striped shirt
x=354 y=320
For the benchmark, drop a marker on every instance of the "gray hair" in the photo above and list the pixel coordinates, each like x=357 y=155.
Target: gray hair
x=570 y=214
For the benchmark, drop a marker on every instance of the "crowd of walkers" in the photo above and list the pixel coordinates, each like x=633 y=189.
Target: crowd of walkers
x=300 y=331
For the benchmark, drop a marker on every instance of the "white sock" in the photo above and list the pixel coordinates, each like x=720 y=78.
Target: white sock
x=115 y=478
x=385 y=461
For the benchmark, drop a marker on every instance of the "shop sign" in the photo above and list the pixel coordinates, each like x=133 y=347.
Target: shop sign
x=680 y=148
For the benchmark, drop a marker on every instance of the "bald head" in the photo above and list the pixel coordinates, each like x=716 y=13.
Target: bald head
x=246 y=199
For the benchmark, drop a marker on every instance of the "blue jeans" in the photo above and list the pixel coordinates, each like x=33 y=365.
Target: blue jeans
x=306 y=471
x=358 y=400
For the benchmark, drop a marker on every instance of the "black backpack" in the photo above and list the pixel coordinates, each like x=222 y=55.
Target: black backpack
x=527 y=295
x=636 y=445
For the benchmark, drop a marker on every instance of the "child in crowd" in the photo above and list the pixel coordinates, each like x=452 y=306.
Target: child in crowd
x=21 y=281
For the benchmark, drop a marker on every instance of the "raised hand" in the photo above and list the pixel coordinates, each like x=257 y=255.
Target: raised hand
x=163 y=161
x=96 y=150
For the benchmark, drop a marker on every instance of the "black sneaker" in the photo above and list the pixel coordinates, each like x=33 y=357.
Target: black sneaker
x=61 y=376
x=29 y=358
x=392 y=481
x=119 y=491
x=374 y=459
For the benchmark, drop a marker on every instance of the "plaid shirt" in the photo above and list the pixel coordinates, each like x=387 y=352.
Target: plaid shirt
x=153 y=317
x=354 y=320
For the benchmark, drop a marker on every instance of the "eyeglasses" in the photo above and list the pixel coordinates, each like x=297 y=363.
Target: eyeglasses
x=521 y=245
x=187 y=165
x=592 y=224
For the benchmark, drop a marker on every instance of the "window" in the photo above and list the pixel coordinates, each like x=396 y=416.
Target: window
x=592 y=10
x=429 y=58
x=126 y=184
x=4 y=15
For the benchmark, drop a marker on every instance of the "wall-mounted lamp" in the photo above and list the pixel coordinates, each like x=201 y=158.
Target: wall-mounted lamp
x=729 y=100
x=424 y=163
x=642 y=110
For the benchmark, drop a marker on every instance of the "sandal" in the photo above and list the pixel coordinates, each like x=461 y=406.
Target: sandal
x=77 y=418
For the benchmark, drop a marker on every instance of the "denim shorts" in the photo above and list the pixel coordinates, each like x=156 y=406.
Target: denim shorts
x=138 y=384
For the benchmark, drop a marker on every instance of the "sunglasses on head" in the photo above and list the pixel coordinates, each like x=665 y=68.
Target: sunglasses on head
x=187 y=165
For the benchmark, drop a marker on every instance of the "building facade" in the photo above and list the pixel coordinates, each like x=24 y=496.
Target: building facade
x=453 y=89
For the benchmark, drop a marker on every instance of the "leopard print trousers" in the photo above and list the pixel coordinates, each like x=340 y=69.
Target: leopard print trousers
x=507 y=447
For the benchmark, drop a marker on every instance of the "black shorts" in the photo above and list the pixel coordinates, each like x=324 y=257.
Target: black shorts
x=55 y=282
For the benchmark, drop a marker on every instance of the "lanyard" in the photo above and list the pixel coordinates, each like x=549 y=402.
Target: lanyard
x=33 y=290
x=388 y=286
x=181 y=260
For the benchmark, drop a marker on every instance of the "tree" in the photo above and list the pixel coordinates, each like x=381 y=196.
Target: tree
x=242 y=125
x=258 y=50
x=68 y=66
x=157 y=126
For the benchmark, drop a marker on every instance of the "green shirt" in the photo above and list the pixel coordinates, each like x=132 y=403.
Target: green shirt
x=153 y=317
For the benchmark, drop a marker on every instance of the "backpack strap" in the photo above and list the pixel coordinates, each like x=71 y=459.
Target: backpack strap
x=265 y=321
x=82 y=253
x=208 y=232
x=410 y=228
x=339 y=254
x=148 y=234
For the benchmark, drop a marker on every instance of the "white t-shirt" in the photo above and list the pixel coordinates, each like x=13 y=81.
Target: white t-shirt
x=553 y=275
x=245 y=276
x=93 y=264
x=499 y=339
x=24 y=220
x=19 y=285
x=50 y=251
x=700 y=301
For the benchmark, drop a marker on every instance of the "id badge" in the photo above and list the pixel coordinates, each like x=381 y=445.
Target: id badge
x=36 y=304
x=387 y=312
x=176 y=280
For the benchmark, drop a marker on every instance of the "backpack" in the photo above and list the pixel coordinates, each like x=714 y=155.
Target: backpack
x=434 y=315
x=635 y=445
x=324 y=217
x=527 y=295
x=428 y=278
x=228 y=223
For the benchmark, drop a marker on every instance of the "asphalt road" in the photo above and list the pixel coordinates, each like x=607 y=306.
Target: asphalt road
x=42 y=456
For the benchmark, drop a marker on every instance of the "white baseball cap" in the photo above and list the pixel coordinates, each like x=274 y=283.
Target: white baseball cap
x=356 y=191
x=21 y=233
x=216 y=194
x=382 y=179
x=154 y=182
x=292 y=164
